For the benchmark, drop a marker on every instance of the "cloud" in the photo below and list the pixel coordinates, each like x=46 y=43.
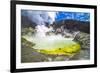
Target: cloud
x=40 y=17
x=52 y=15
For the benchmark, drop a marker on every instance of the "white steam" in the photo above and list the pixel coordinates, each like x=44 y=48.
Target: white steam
x=52 y=15
x=41 y=38
x=41 y=31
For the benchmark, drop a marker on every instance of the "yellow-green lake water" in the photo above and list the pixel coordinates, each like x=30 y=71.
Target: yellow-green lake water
x=55 y=46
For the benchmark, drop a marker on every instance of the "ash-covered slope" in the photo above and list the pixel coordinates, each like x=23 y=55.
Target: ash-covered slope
x=72 y=25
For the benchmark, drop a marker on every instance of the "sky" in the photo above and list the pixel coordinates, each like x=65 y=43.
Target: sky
x=42 y=17
x=81 y=16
